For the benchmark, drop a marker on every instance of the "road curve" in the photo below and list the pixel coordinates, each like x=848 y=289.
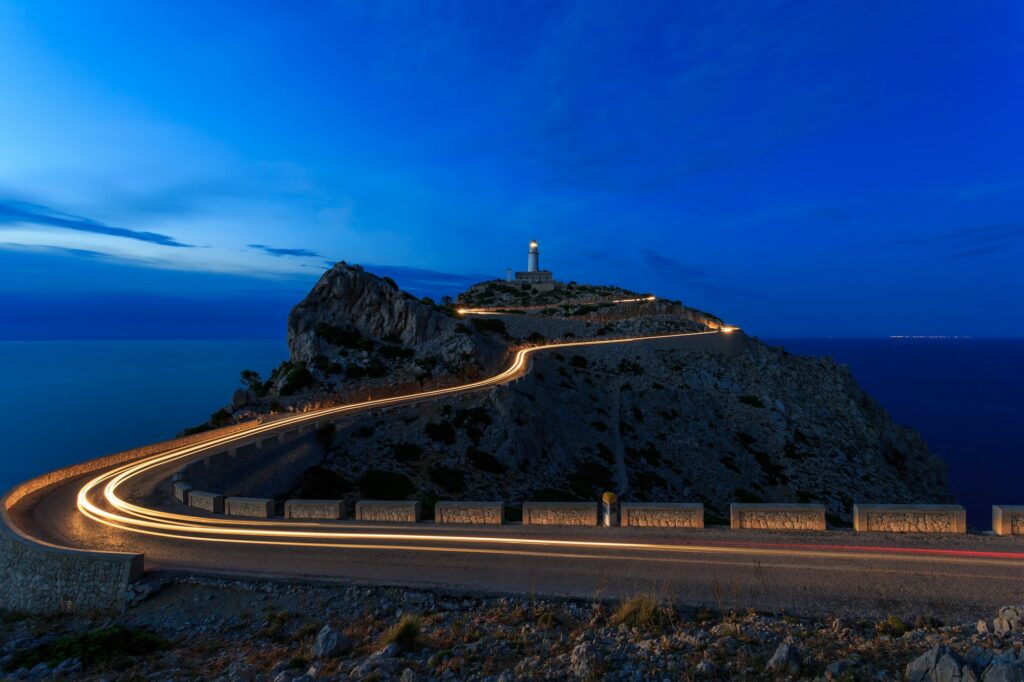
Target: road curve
x=122 y=508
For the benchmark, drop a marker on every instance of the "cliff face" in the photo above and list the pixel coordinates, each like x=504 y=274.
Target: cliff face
x=356 y=330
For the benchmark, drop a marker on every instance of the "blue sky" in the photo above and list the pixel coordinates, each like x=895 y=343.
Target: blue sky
x=188 y=169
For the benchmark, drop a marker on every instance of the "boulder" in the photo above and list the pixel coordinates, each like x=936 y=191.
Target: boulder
x=1009 y=619
x=938 y=664
x=583 y=661
x=785 y=661
x=331 y=643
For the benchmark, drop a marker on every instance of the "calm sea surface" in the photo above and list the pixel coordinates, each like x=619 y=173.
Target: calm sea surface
x=64 y=401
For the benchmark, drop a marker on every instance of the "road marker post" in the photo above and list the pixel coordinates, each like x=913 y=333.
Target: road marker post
x=609 y=509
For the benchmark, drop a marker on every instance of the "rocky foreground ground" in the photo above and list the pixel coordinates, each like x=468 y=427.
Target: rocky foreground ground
x=186 y=628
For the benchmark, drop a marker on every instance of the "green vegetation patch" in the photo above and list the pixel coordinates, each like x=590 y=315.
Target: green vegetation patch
x=485 y=461
x=406 y=452
x=92 y=648
x=440 y=432
x=385 y=485
x=448 y=479
x=320 y=483
x=406 y=633
x=643 y=612
x=752 y=400
x=590 y=479
x=489 y=325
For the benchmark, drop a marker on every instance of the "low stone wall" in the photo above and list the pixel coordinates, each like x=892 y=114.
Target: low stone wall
x=181 y=491
x=560 y=513
x=662 y=515
x=211 y=502
x=314 y=509
x=1007 y=519
x=391 y=511
x=909 y=518
x=469 y=512
x=777 y=516
x=252 y=507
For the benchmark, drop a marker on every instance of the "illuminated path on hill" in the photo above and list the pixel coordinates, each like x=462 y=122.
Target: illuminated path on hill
x=950 y=575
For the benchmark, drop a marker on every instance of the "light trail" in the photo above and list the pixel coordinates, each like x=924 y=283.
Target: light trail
x=153 y=522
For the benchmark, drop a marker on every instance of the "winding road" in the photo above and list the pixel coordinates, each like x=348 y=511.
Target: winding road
x=128 y=508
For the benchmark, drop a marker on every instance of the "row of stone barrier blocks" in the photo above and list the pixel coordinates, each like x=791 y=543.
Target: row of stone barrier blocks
x=887 y=518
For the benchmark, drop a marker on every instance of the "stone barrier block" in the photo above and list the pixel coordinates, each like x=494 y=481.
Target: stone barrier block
x=1007 y=519
x=909 y=518
x=181 y=491
x=777 y=516
x=289 y=435
x=469 y=512
x=314 y=509
x=662 y=515
x=269 y=442
x=560 y=513
x=211 y=502
x=252 y=507
x=247 y=449
x=392 y=511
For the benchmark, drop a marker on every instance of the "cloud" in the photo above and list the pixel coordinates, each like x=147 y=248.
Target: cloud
x=18 y=212
x=285 y=253
x=670 y=269
x=969 y=242
x=431 y=282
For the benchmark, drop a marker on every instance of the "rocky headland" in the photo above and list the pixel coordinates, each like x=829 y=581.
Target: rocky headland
x=652 y=423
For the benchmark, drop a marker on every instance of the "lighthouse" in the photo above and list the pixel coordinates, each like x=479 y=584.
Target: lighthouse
x=534 y=276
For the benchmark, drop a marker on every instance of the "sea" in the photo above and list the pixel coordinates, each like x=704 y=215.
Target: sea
x=65 y=401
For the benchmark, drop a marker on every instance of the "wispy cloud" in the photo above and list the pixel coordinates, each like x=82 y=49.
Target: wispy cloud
x=671 y=270
x=285 y=253
x=21 y=213
x=969 y=242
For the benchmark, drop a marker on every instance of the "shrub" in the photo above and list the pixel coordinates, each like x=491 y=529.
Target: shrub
x=591 y=478
x=462 y=329
x=91 y=648
x=892 y=626
x=751 y=400
x=442 y=432
x=535 y=337
x=325 y=435
x=472 y=415
x=485 y=461
x=406 y=452
x=296 y=379
x=322 y=364
x=643 y=612
x=579 y=361
x=451 y=480
x=489 y=325
x=406 y=633
x=355 y=371
x=344 y=338
x=396 y=353
x=220 y=418
x=319 y=483
x=392 y=283
x=385 y=485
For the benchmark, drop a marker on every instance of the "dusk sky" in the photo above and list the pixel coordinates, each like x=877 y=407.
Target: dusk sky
x=183 y=169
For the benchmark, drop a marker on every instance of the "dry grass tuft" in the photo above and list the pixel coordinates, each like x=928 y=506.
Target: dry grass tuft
x=406 y=633
x=644 y=612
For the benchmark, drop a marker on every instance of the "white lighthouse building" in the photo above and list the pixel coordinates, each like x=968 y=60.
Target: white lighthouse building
x=534 y=274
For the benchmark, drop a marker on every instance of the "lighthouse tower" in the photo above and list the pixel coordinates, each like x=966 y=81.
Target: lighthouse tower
x=539 y=279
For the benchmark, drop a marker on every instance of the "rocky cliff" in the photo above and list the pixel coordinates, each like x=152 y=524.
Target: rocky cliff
x=731 y=419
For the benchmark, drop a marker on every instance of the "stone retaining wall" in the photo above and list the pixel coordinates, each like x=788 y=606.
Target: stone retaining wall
x=391 y=511
x=470 y=512
x=560 y=513
x=909 y=518
x=1007 y=519
x=314 y=509
x=252 y=507
x=211 y=502
x=777 y=516
x=662 y=515
x=181 y=491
